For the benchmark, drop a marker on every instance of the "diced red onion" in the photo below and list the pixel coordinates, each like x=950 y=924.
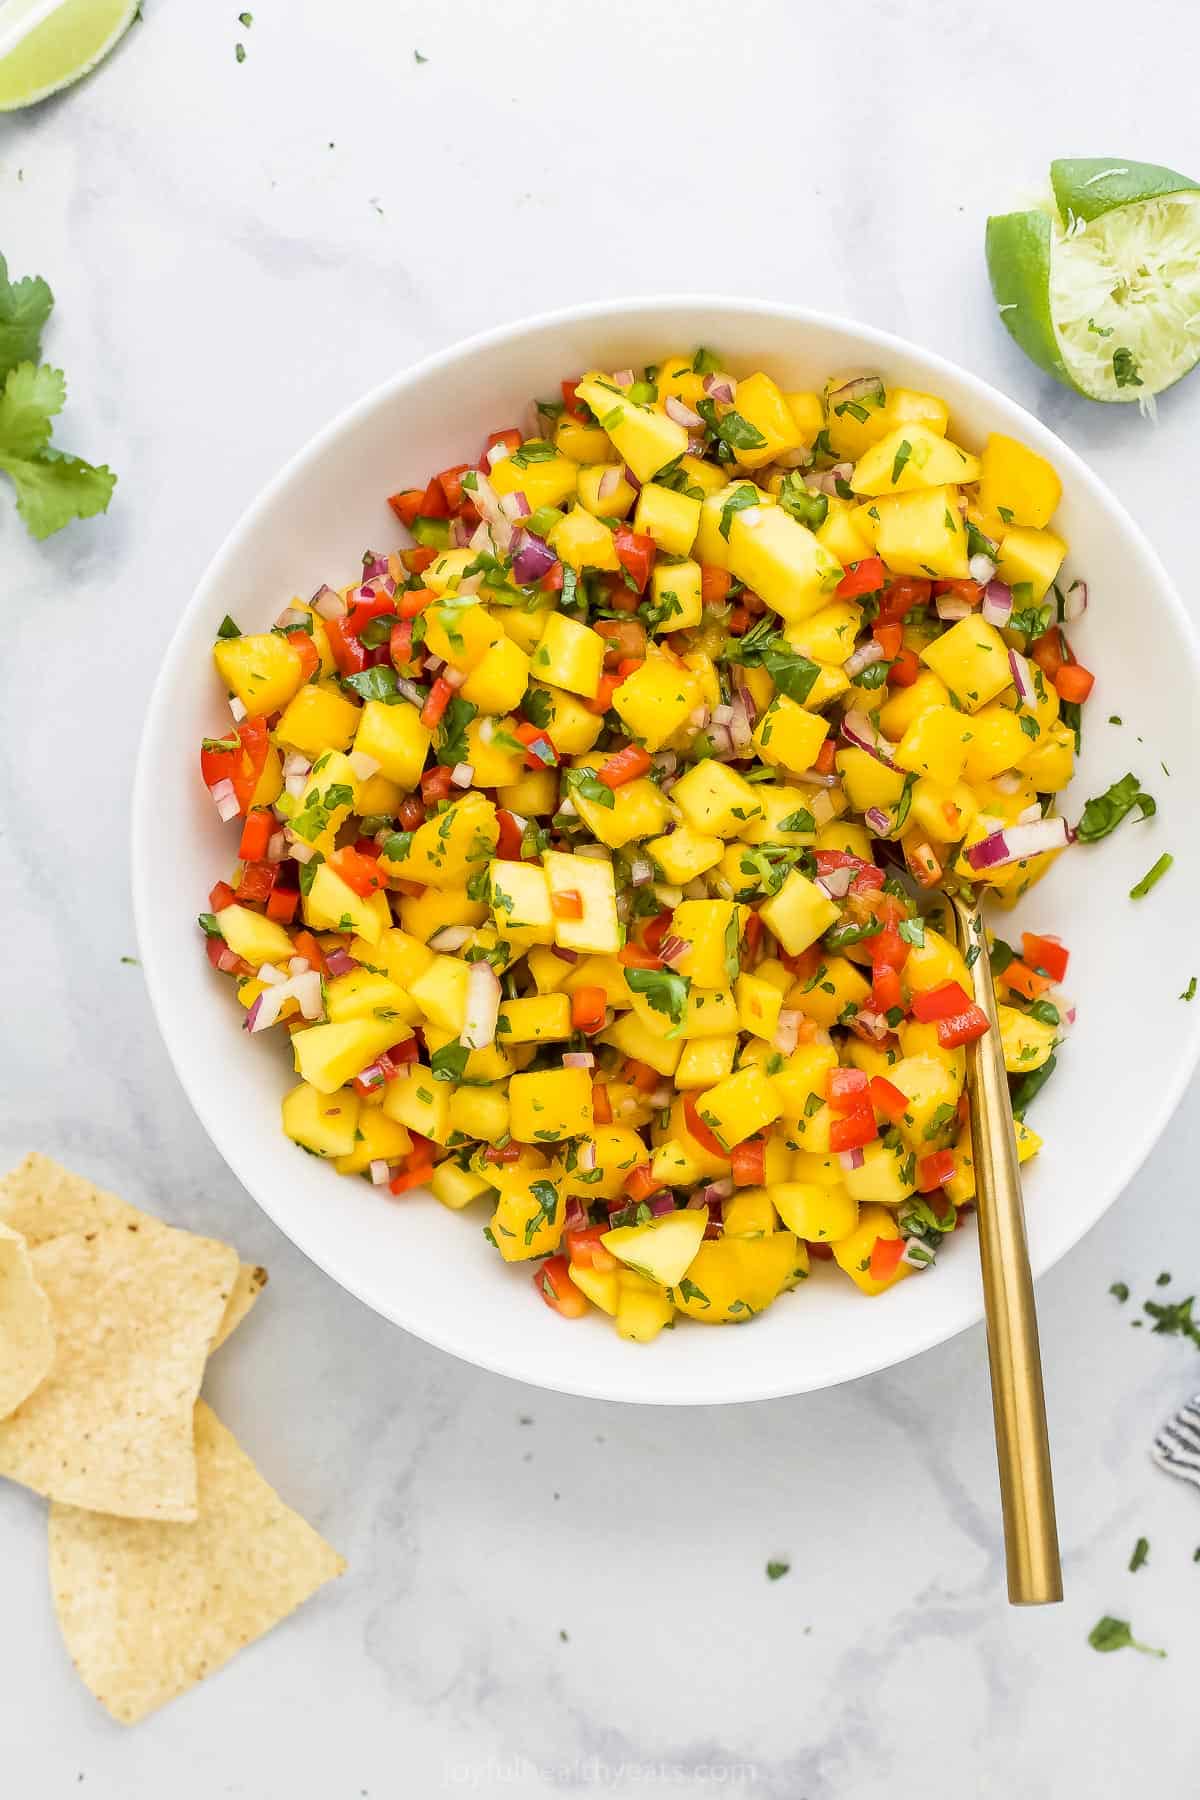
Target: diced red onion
x=632 y=479
x=858 y=388
x=1076 y=602
x=813 y=778
x=857 y=729
x=449 y=939
x=298 y=965
x=997 y=604
x=339 y=962
x=741 y=724
x=291 y=615
x=722 y=743
x=364 y=766
x=567 y=956
x=412 y=693
x=863 y=658
x=836 y=884
x=497 y=454
x=609 y=482
x=585 y=1156
x=1030 y=814
x=578 y=1059
x=269 y=975
x=1016 y=842
x=250 y=1022
x=872 y=1027
x=227 y=962
x=300 y=851
x=531 y=558
x=716 y=1190
x=453 y=678
x=662 y=1095
x=460 y=534
x=567 y=807
x=306 y=989
x=375 y=565
x=624 y=378
x=462 y=774
x=799 y=458
x=826 y=481
x=878 y=821
x=851 y=1159
x=236 y=708
x=295 y=785
x=699 y=717
x=641 y=871
x=593 y=852
x=481 y=538
x=822 y=808
x=660 y=1204
x=787 y=1031
x=952 y=606
x=277 y=846
x=329 y=603
x=225 y=800
x=721 y=387
x=673 y=949
x=380 y=1172
x=515 y=506
x=295 y=764
x=1022 y=679
x=721 y=715
x=575 y=1217
x=482 y=1008
x=981 y=568
x=666 y=761
x=682 y=415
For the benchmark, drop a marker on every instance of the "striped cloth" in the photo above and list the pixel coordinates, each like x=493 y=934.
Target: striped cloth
x=1177 y=1446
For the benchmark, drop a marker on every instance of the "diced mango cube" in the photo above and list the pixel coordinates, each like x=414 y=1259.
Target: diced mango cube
x=972 y=660
x=569 y=655
x=550 y=1105
x=798 y=913
x=656 y=699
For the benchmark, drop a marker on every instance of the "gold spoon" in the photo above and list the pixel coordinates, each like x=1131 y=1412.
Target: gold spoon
x=1018 y=1400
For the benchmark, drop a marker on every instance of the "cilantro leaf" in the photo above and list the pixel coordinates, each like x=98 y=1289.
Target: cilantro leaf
x=1114 y=1634
x=585 y=783
x=734 y=431
x=448 y=1063
x=1104 y=812
x=52 y=486
x=24 y=308
x=665 y=992
x=378 y=683
x=452 y=732
x=738 y=501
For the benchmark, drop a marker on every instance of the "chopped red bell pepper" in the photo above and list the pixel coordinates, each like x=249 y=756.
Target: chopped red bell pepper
x=626 y=765
x=306 y=945
x=589 y=1009
x=407 y=505
x=511 y=439
x=902 y=594
x=635 y=553
x=418 y=559
x=865 y=577
x=886 y=1256
x=905 y=668
x=640 y=1182
x=887 y=946
x=585 y=1248
x=887 y=635
x=412 y=813
x=749 y=1160
x=436 y=784
x=632 y=956
x=539 y=748
x=239 y=759
x=846 y=1089
x=601 y=1105
x=256 y=834
x=417 y=1175
x=887 y=990
x=656 y=930
x=220 y=896
x=440 y=695
x=602 y=700
x=935 y=1170
x=640 y=1075
x=825 y=764
x=624 y=639
x=348 y=653
x=1074 y=683
x=703 y=1135
x=962 y=1028
x=853 y=1130
x=450 y=482
x=306 y=650
x=554 y=1284
x=573 y=406
x=1045 y=953
x=888 y=1099
x=1051 y=651
x=752 y=936
x=411 y=601
x=508 y=843
x=359 y=872
x=552 y=580
x=1025 y=981
x=256 y=882
x=940 y=1002
x=282 y=904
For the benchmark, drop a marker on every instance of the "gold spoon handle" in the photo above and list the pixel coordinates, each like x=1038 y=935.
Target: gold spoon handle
x=1014 y=1357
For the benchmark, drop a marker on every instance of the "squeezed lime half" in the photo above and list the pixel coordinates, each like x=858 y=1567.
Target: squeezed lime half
x=1100 y=285
x=60 y=50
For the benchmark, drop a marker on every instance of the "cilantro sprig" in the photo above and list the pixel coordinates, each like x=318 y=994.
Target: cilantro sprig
x=52 y=486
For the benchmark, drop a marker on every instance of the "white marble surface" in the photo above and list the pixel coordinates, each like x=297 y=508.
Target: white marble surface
x=237 y=250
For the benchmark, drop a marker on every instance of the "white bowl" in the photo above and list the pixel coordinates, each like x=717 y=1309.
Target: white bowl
x=1119 y=1077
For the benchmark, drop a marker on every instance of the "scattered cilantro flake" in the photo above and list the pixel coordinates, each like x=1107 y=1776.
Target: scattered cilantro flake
x=246 y=19
x=1189 y=992
x=418 y=58
x=776 y=1570
x=239 y=51
x=903 y=452
x=1152 y=877
x=1114 y=1634
x=1141 y=1552
x=1120 y=1291
x=1125 y=368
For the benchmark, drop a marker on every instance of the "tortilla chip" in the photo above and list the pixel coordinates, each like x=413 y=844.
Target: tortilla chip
x=42 y=1200
x=148 y=1610
x=135 y=1313
x=26 y=1333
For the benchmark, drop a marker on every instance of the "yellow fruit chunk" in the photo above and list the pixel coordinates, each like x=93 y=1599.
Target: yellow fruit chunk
x=545 y=481
x=256 y=939
x=715 y=800
x=316 y=720
x=322 y=1122
x=853 y=1252
x=671 y=519
x=395 y=737
x=328 y=1056
x=1030 y=558
x=798 y=913
x=377 y=1138
x=583 y=443
x=1016 y=485
x=712 y=930
x=683 y=854
x=604 y=491
x=569 y=655
x=662 y=1248
x=539 y=1019
x=414 y=1099
x=553 y=1104
x=972 y=660
x=656 y=699
x=912 y=457
x=456 y=1187
x=498 y=681
x=596 y=929
x=528 y=1220
x=675 y=595
x=935 y=744
x=788 y=735
x=815 y=1211
x=1026 y=1041
x=646 y=440
x=781 y=561
x=263 y=670
x=583 y=542
x=731 y=1279
x=739 y=1106
x=764 y=407
x=922 y=533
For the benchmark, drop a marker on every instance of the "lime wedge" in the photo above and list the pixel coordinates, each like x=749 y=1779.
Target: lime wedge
x=62 y=48
x=1100 y=286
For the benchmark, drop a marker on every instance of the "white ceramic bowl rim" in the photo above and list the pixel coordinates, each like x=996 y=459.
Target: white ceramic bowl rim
x=938 y=1323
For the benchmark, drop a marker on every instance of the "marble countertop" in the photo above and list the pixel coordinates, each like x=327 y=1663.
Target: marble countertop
x=547 y=1595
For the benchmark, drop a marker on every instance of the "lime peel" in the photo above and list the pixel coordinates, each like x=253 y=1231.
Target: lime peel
x=1100 y=286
